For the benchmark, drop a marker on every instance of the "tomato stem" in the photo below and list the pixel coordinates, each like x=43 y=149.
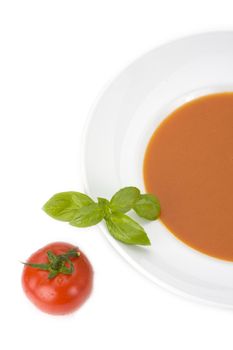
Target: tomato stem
x=57 y=263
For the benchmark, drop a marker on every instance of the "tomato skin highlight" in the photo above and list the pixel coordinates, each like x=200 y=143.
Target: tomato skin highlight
x=62 y=294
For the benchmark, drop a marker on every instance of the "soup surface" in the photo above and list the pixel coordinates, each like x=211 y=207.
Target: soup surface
x=188 y=164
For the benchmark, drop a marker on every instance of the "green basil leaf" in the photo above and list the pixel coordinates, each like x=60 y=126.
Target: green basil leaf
x=81 y=199
x=148 y=207
x=126 y=230
x=105 y=204
x=124 y=199
x=88 y=216
x=64 y=205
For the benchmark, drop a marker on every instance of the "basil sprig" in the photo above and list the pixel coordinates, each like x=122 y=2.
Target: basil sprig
x=81 y=211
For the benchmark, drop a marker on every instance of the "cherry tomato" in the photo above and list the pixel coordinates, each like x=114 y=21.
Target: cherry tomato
x=58 y=278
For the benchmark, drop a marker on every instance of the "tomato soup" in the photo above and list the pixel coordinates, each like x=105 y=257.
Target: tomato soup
x=188 y=164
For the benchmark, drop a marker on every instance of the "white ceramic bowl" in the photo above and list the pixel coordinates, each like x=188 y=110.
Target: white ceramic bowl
x=118 y=130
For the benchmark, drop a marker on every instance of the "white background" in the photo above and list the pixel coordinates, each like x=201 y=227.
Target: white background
x=55 y=56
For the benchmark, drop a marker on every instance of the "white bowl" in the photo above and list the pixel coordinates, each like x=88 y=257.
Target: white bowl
x=118 y=130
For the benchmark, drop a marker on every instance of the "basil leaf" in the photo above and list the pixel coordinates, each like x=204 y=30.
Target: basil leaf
x=105 y=204
x=148 y=207
x=64 y=205
x=126 y=230
x=124 y=199
x=88 y=216
x=81 y=199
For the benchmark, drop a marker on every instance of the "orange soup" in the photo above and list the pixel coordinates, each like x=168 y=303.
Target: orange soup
x=188 y=164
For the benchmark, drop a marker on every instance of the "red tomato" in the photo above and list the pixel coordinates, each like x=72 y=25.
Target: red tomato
x=62 y=293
